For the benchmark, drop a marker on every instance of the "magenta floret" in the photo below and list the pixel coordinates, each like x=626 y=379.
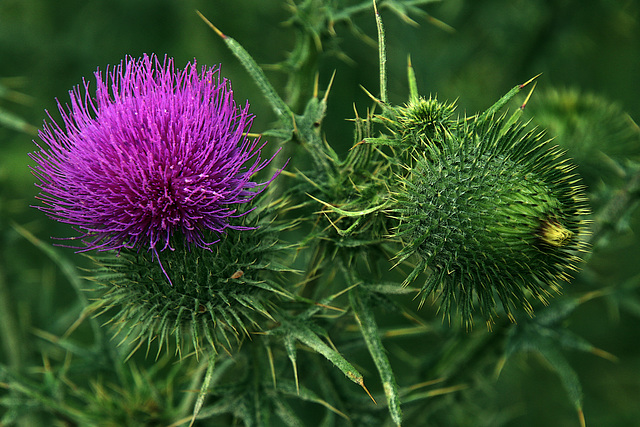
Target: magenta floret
x=155 y=151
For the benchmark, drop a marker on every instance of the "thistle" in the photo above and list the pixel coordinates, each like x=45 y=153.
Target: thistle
x=160 y=159
x=492 y=214
x=156 y=152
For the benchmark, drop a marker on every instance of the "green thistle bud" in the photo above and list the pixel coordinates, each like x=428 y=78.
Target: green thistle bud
x=216 y=295
x=493 y=212
x=597 y=134
x=422 y=121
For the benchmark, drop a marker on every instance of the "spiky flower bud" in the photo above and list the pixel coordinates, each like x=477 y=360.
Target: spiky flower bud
x=216 y=296
x=597 y=134
x=492 y=213
x=421 y=121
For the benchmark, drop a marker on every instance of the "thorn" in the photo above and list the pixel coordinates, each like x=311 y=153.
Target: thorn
x=295 y=374
x=83 y=316
x=326 y=93
x=329 y=307
x=315 y=86
x=441 y=24
x=426 y=384
x=499 y=366
x=213 y=27
x=295 y=125
x=359 y=143
x=604 y=354
x=271 y=364
x=361 y=381
x=524 y=104
x=583 y=423
x=336 y=295
x=370 y=95
x=529 y=81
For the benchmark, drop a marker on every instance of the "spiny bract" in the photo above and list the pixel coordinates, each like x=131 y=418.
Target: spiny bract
x=216 y=296
x=492 y=212
x=424 y=120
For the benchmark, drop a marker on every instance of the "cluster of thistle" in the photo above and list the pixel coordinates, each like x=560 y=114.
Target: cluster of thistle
x=488 y=207
x=156 y=170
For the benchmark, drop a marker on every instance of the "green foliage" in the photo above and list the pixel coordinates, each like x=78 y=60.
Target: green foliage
x=8 y=118
x=419 y=207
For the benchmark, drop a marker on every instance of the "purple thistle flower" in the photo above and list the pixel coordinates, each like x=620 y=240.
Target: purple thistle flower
x=157 y=151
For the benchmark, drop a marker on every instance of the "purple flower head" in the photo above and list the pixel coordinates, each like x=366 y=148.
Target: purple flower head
x=156 y=151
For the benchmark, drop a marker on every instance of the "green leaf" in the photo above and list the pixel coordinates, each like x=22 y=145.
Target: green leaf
x=547 y=336
x=567 y=375
x=371 y=334
x=204 y=389
x=10 y=120
x=303 y=333
x=491 y=111
x=306 y=336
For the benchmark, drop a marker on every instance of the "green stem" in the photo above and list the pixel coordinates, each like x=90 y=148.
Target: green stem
x=382 y=53
x=9 y=331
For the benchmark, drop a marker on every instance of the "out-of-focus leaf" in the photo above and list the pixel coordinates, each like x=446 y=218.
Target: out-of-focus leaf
x=547 y=336
x=15 y=122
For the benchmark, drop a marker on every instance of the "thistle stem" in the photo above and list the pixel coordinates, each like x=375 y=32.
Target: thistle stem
x=382 y=53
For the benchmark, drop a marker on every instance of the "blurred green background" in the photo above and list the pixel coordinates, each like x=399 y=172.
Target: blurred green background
x=47 y=47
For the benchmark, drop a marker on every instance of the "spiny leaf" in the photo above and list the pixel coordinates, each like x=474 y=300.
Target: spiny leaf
x=567 y=375
x=204 y=389
x=546 y=336
x=305 y=335
x=491 y=111
x=306 y=394
x=371 y=334
x=290 y=347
